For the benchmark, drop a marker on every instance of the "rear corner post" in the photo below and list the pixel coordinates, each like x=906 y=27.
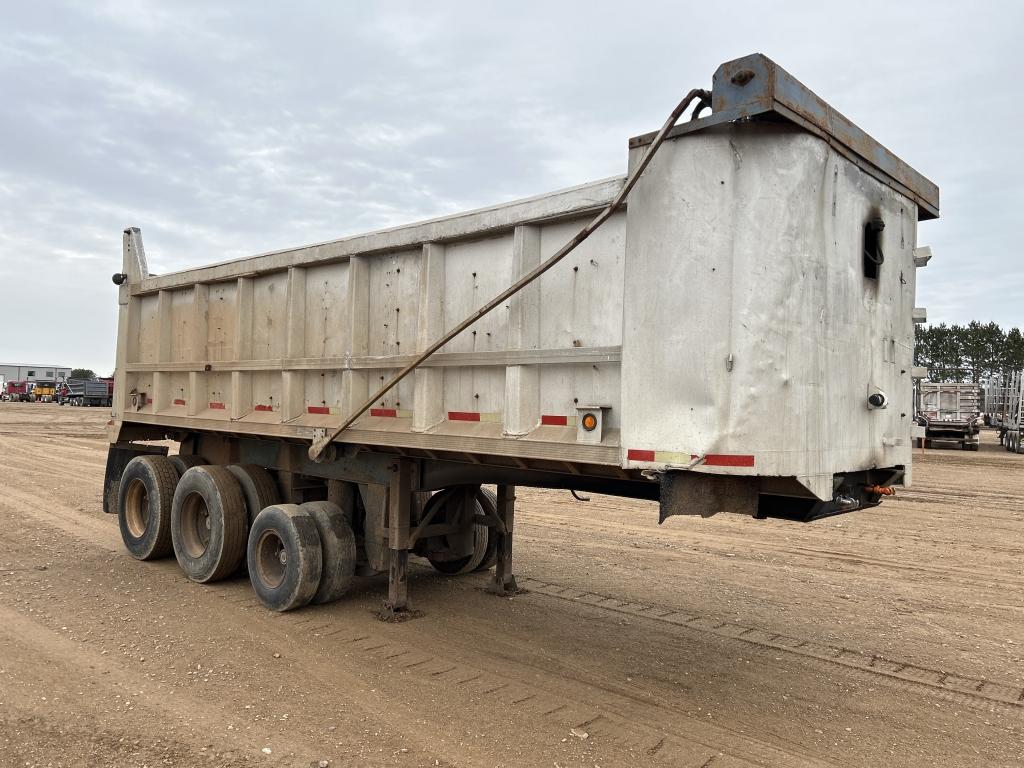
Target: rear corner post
x=504 y=581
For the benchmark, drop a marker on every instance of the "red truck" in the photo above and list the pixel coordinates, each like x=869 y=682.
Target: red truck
x=17 y=391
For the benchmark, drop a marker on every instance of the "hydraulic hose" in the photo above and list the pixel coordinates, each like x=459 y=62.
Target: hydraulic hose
x=318 y=448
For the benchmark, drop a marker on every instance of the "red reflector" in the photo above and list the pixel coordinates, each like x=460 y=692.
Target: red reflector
x=384 y=412
x=634 y=454
x=179 y=401
x=554 y=421
x=726 y=460
x=264 y=408
x=217 y=406
x=463 y=416
x=319 y=409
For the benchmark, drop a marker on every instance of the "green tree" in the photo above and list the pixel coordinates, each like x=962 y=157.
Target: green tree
x=82 y=373
x=939 y=348
x=1013 y=352
x=983 y=347
x=972 y=352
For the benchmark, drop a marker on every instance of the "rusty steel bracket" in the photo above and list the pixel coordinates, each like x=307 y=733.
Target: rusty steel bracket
x=756 y=88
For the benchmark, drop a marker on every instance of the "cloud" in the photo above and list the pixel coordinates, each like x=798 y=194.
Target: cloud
x=229 y=129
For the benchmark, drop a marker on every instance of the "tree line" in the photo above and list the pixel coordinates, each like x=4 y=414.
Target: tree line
x=968 y=353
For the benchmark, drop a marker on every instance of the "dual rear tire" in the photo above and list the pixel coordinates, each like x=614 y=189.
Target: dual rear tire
x=209 y=525
x=301 y=554
x=215 y=519
x=144 y=507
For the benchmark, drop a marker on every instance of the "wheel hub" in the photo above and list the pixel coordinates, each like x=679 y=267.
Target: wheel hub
x=271 y=559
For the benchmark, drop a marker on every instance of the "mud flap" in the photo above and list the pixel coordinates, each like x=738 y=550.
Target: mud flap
x=695 y=493
x=118 y=456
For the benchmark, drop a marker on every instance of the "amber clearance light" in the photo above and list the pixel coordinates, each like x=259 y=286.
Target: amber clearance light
x=589 y=422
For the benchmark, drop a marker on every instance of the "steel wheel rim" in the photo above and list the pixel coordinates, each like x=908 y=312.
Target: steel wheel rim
x=271 y=559
x=136 y=508
x=195 y=525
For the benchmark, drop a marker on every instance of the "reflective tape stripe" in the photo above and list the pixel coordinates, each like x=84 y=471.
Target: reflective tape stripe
x=634 y=454
x=548 y=420
x=676 y=457
x=728 y=460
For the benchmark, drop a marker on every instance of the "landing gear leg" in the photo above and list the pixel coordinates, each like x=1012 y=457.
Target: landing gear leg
x=397 y=606
x=504 y=582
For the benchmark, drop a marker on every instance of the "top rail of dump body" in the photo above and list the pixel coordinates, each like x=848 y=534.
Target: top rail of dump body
x=750 y=88
x=567 y=203
x=755 y=87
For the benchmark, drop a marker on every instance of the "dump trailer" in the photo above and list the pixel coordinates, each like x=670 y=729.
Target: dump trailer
x=727 y=328
x=950 y=412
x=87 y=392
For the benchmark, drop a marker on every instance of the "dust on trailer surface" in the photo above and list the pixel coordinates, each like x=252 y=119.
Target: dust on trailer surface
x=733 y=338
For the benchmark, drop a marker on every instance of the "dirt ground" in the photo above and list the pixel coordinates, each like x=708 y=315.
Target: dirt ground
x=888 y=637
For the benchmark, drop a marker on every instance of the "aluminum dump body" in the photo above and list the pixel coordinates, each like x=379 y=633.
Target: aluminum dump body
x=726 y=322
x=949 y=401
x=950 y=410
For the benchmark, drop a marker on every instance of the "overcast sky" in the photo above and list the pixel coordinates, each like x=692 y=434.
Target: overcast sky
x=225 y=129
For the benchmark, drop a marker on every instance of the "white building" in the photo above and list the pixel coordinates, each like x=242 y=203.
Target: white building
x=29 y=372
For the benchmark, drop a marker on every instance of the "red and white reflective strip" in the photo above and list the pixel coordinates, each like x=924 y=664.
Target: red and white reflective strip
x=473 y=416
x=552 y=420
x=675 y=457
x=391 y=413
x=263 y=408
x=322 y=410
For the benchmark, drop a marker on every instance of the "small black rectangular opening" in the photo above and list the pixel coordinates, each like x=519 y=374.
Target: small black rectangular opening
x=873 y=256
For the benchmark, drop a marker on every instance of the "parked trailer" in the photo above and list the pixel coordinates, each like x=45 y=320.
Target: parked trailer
x=994 y=401
x=737 y=337
x=950 y=412
x=87 y=392
x=1011 y=424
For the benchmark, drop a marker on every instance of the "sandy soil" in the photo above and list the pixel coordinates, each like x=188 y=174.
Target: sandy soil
x=890 y=637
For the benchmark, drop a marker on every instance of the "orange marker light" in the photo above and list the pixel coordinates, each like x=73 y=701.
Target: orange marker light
x=589 y=422
x=881 y=490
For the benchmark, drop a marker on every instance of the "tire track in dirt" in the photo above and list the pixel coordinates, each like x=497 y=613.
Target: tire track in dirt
x=977 y=691
x=68 y=519
x=962 y=575
x=525 y=701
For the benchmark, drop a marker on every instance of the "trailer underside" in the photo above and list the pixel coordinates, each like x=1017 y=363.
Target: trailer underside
x=388 y=491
